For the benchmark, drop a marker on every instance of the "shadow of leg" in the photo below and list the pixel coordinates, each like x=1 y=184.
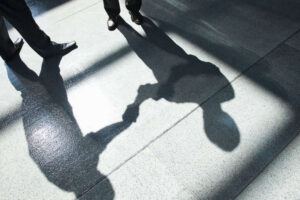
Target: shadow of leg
x=18 y=66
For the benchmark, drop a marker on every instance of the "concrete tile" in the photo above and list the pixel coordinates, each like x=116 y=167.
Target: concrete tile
x=143 y=177
x=280 y=180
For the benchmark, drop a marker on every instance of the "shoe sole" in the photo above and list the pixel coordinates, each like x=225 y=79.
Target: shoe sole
x=62 y=53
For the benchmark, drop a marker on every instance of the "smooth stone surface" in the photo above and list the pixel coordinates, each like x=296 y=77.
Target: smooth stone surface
x=71 y=134
x=280 y=180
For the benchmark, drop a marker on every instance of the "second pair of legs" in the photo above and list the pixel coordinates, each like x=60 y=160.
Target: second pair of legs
x=113 y=10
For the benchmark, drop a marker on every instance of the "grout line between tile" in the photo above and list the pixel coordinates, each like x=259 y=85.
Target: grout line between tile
x=75 y=13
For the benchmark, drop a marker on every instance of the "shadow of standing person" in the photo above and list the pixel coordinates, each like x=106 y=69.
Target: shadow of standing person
x=55 y=142
x=181 y=78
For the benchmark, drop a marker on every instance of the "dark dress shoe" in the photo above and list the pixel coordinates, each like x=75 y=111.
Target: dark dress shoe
x=57 y=49
x=136 y=17
x=18 y=46
x=112 y=23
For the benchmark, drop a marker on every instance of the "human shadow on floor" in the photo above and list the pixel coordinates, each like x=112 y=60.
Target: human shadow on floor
x=55 y=142
x=181 y=78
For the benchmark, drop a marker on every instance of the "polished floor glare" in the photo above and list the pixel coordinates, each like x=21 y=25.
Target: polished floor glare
x=202 y=101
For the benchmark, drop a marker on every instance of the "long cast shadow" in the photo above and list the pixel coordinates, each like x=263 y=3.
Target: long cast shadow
x=181 y=78
x=55 y=142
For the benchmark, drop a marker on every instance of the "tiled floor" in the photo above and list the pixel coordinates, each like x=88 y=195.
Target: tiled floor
x=201 y=102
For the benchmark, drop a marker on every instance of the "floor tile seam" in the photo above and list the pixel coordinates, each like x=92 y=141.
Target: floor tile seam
x=268 y=164
x=292 y=47
x=73 y=14
x=243 y=72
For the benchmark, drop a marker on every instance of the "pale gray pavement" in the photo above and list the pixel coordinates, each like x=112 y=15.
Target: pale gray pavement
x=210 y=92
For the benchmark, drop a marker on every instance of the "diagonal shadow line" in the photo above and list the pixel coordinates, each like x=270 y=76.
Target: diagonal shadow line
x=15 y=114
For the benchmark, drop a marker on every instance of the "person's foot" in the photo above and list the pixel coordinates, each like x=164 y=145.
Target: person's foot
x=112 y=23
x=57 y=49
x=18 y=46
x=136 y=17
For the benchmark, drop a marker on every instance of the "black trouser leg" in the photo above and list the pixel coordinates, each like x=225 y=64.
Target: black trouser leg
x=133 y=5
x=19 y=15
x=7 y=48
x=112 y=7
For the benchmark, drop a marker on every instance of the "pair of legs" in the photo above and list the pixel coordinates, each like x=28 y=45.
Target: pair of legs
x=112 y=7
x=113 y=10
x=19 y=15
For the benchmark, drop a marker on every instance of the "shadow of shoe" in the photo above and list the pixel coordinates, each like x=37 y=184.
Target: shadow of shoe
x=18 y=66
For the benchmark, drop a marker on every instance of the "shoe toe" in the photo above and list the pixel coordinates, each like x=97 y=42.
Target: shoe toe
x=70 y=45
x=136 y=18
x=112 y=23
